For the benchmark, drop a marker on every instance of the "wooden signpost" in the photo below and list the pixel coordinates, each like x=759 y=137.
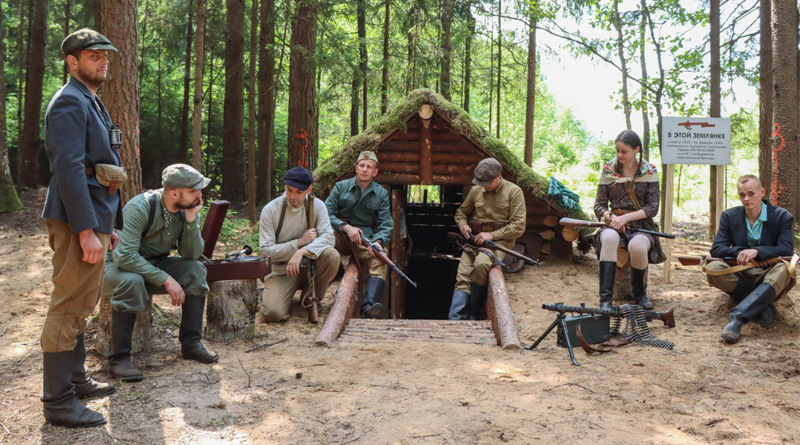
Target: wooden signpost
x=693 y=141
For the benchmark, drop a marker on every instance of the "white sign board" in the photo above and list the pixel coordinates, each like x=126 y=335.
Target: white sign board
x=687 y=140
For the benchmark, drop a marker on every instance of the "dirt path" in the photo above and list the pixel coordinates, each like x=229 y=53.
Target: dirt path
x=700 y=392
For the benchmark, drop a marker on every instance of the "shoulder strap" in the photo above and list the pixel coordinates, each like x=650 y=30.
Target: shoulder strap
x=151 y=216
x=280 y=221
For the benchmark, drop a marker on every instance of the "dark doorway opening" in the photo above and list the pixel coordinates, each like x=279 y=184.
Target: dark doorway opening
x=430 y=212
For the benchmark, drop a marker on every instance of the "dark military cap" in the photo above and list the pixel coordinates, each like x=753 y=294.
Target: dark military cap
x=178 y=176
x=87 y=39
x=486 y=171
x=299 y=177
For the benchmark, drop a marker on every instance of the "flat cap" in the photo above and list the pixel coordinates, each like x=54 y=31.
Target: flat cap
x=486 y=171
x=180 y=176
x=88 y=39
x=370 y=155
x=299 y=177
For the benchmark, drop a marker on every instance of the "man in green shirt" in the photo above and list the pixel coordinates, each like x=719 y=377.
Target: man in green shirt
x=360 y=206
x=155 y=222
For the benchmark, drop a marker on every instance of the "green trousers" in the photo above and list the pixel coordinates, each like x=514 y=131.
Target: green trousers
x=130 y=292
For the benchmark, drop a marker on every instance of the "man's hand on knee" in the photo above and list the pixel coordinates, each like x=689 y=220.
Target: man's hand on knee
x=175 y=291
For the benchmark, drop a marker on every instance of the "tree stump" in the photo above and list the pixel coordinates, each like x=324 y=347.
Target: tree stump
x=231 y=310
x=141 y=330
x=622 y=283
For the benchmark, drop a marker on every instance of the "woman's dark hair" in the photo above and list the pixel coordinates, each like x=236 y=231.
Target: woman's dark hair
x=631 y=139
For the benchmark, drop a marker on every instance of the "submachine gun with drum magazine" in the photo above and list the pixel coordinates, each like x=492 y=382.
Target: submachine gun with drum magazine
x=593 y=325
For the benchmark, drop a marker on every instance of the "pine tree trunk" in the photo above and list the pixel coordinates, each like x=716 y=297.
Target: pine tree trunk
x=447 y=48
x=354 y=103
x=530 y=100
x=410 y=51
x=98 y=15
x=626 y=104
x=65 y=72
x=251 y=109
x=499 y=59
x=302 y=101
x=765 y=98
x=197 y=112
x=183 y=145
x=784 y=105
x=468 y=56
x=160 y=103
x=643 y=63
x=121 y=90
x=362 y=57
x=233 y=118
x=30 y=139
x=385 y=77
x=714 y=110
x=9 y=200
x=20 y=79
x=491 y=77
x=266 y=109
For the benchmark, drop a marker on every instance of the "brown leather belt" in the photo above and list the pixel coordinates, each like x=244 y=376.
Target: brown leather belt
x=477 y=226
x=620 y=212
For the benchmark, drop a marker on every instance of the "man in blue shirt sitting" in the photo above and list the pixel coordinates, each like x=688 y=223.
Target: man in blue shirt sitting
x=752 y=234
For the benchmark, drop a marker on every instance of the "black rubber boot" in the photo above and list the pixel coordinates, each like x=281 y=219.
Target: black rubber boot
x=608 y=270
x=119 y=354
x=640 y=288
x=61 y=407
x=84 y=386
x=743 y=288
x=190 y=331
x=477 y=301
x=372 y=308
x=748 y=310
x=458 y=307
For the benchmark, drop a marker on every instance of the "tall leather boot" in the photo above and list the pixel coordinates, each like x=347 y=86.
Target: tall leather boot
x=640 y=288
x=748 y=310
x=372 y=308
x=190 y=331
x=608 y=270
x=743 y=288
x=458 y=307
x=119 y=354
x=477 y=301
x=84 y=386
x=61 y=407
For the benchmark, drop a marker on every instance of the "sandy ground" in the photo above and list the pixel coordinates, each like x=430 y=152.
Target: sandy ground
x=293 y=393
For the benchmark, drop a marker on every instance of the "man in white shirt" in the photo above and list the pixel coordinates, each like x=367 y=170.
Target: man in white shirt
x=285 y=236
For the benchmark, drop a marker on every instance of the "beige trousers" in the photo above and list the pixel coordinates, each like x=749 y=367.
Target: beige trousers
x=777 y=276
x=376 y=267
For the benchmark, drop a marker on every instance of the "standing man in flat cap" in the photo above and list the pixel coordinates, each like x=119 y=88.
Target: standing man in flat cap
x=289 y=235
x=360 y=206
x=79 y=212
x=492 y=211
x=156 y=222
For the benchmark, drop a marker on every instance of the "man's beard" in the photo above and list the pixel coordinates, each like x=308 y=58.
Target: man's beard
x=181 y=206
x=90 y=78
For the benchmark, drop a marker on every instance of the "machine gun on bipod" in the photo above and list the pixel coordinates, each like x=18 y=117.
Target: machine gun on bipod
x=592 y=326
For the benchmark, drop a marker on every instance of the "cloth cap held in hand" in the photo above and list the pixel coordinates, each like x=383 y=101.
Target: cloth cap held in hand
x=179 y=176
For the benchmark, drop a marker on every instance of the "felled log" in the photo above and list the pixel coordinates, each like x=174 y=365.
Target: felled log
x=396 y=156
x=343 y=304
x=399 y=167
x=141 y=330
x=456 y=158
x=454 y=169
x=499 y=311
x=547 y=235
x=231 y=310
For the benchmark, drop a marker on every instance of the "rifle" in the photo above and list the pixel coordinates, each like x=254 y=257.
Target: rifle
x=309 y=299
x=472 y=242
x=569 y=222
x=636 y=329
x=385 y=260
x=457 y=241
x=699 y=260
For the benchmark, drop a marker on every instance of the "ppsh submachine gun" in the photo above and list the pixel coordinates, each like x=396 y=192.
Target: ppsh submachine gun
x=470 y=245
x=593 y=326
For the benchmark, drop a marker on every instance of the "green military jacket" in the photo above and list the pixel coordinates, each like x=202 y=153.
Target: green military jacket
x=368 y=210
x=504 y=204
x=134 y=250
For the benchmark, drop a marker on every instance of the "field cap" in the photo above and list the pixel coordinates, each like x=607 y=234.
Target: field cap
x=486 y=171
x=182 y=176
x=299 y=177
x=87 y=39
x=367 y=155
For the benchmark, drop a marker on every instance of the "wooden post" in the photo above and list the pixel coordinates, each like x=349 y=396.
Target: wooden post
x=343 y=304
x=231 y=310
x=719 y=197
x=425 y=146
x=397 y=301
x=669 y=189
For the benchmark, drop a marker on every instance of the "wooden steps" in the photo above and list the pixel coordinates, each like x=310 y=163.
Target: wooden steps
x=434 y=331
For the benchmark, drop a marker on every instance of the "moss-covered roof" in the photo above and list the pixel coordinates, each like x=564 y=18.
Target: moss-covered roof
x=342 y=161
